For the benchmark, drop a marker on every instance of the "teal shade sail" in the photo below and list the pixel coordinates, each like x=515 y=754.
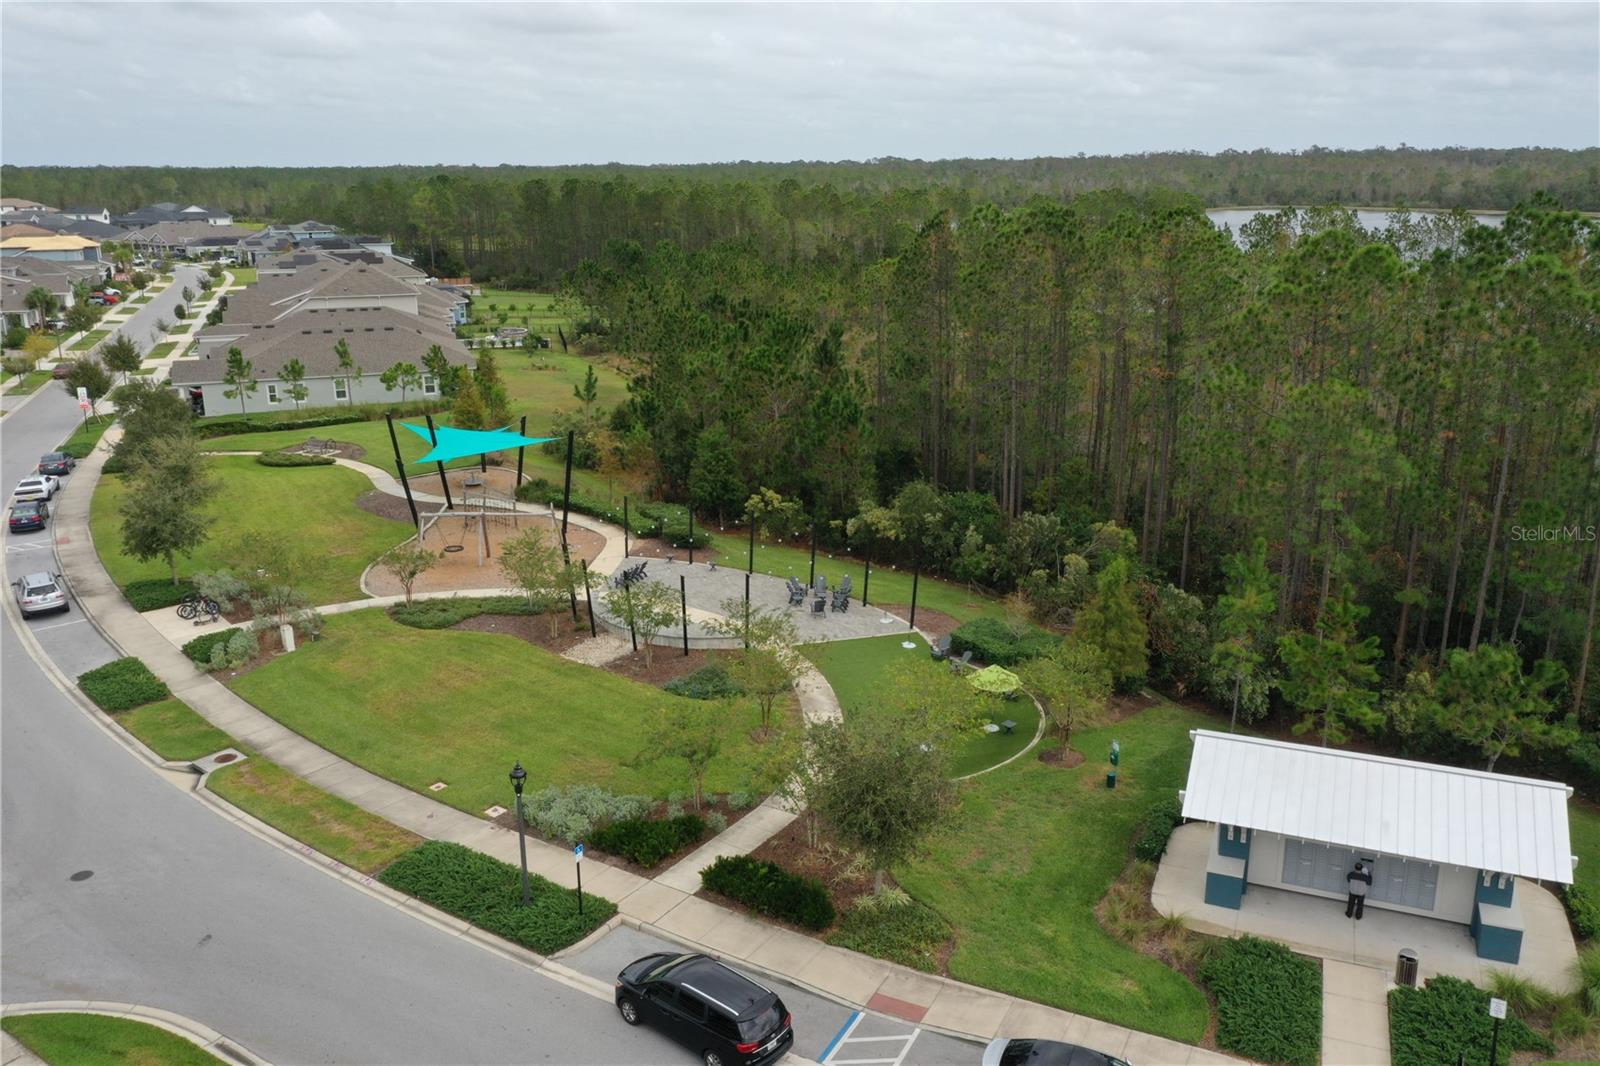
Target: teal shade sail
x=453 y=443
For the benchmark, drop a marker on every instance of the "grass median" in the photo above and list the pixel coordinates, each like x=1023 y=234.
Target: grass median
x=100 y=1040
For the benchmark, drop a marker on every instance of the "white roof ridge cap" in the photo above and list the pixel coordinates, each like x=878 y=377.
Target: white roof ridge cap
x=1314 y=749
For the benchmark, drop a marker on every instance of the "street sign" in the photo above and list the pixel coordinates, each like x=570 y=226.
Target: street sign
x=83 y=398
x=1497 y=1008
x=577 y=853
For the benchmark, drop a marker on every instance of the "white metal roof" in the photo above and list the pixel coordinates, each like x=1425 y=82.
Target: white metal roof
x=1441 y=814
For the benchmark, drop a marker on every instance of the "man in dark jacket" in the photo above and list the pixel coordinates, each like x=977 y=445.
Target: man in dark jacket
x=1358 y=881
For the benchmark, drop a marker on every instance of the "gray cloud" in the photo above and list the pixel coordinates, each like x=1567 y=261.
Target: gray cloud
x=348 y=83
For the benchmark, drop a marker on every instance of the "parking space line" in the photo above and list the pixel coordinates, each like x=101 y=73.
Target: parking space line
x=912 y=1039
x=865 y=1062
x=844 y=1031
x=59 y=625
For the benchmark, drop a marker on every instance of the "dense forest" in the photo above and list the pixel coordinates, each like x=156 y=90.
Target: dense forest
x=533 y=223
x=1407 y=422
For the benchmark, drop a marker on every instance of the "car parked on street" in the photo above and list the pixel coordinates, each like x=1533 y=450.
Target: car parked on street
x=29 y=516
x=36 y=487
x=107 y=296
x=56 y=464
x=41 y=592
x=716 y=1012
x=61 y=370
x=1003 y=1051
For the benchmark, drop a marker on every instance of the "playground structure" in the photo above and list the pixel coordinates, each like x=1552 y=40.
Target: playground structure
x=483 y=508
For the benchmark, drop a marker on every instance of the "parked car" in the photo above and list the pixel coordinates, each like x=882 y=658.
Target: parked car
x=718 y=1013
x=36 y=487
x=107 y=299
x=61 y=370
x=109 y=291
x=56 y=464
x=56 y=323
x=34 y=514
x=1013 y=1052
x=41 y=592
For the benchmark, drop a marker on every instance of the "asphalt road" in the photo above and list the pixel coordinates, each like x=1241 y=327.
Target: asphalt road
x=187 y=912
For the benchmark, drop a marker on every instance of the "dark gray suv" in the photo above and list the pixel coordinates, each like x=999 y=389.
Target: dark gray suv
x=719 y=1014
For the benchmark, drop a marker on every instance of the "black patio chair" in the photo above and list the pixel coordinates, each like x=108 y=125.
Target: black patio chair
x=819 y=606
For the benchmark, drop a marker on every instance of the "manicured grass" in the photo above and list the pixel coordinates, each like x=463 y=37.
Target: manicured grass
x=88 y=340
x=529 y=309
x=419 y=706
x=83 y=439
x=1032 y=849
x=31 y=381
x=145 y=371
x=243 y=275
x=1583 y=822
x=541 y=394
x=314 y=506
x=99 y=1040
x=181 y=327
x=334 y=827
x=888 y=585
x=140 y=300
x=857 y=670
x=173 y=730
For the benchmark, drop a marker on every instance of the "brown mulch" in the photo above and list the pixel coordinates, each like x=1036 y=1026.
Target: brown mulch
x=1065 y=758
x=455 y=571
x=271 y=647
x=667 y=664
x=342 y=448
x=392 y=507
x=1119 y=707
x=717 y=803
x=533 y=628
x=651 y=548
x=935 y=623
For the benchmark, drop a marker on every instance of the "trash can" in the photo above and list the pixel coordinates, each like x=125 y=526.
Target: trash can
x=1405 y=969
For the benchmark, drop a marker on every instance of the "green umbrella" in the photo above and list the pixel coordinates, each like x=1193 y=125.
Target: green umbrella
x=995 y=679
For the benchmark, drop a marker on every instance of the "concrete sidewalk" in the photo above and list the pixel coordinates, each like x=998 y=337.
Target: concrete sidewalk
x=1355 y=1014
x=664 y=906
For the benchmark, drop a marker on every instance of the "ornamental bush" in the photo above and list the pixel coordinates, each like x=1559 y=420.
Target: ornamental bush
x=1430 y=1026
x=153 y=593
x=293 y=459
x=571 y=814
x=488 y=893
x=896 y=927
x=645 y=841
x=707 y=683
x=1165 y=816
x=767 y=888
x=122 y=684
x=1269 y=1001
x=996 y=642
x=199 y=649
x=444 y=613
x=1583 y=909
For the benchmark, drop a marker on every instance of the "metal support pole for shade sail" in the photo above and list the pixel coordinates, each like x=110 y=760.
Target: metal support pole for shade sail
x=752 y=567
x=588 y=598
x=566 y=492
x=866 y=578
x=522 y=428
x=916 y=574
x=400 y=468
x=691 y=534
x=625 y=529
x=434 y=437
x=627 y=600
x=683 y=611
x=812 y=580
x=747 y=611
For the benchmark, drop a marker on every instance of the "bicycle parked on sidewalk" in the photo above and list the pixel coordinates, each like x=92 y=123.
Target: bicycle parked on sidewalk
x=194 y=603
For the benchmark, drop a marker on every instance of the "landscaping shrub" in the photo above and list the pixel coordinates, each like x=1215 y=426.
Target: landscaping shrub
x=488 y=893
x=199 y=649
x=153 y=593
x=239 y=649
x=122 y=684
x=1433 y=1025
x=647 y=842
x=570 y=814
x=707 y=683
x=1583 y=909
x=442 y=614
x=769 y=889
x=293 y=459
x=996 y=642
x=896 y=927
x=315 y=418
x=1269 y=1001
x=1165 y=816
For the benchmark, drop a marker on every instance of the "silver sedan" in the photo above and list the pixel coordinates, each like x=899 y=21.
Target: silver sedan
x=41 y=592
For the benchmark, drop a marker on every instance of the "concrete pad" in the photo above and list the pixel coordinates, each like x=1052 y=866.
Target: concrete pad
x=1035 y=1020
x=737 y=935
x=691 y=919
x=1199 y=1056
x=1364 y=983
x=612 y=882
x=785 y=952
x=964 y=1009
x=1147 y=1050
x=912 y=987
x=649 y=901
x=851 y=977
x=1101 y=1036
x=348 y=781
x=1337 y=1052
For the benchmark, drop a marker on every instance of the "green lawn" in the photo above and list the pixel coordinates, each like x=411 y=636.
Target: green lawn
x=243 y=275
x=334 y=827
x=84 y=438
x=181 y=327
x=99 y=1040
x=543 y=393
x=88 y=340
x=1030 y=852
x=887 y=586
x=530 y=309
x=419 y=706
x=162 y=350
x=173 y=731
x=857 y=669
x=31 y=381
x=1583 y=821
x=314 y=505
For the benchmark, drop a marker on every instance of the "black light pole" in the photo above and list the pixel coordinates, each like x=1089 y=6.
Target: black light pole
x=747 y=612
x=627 y=599
x=866 y=578
x=400 y=468
x=518 y=776
x=691 y=535
x=812 y=580
x=752 y=567
x=683 y=611
x=916 y=573
x=624 y=529
x=588 y=598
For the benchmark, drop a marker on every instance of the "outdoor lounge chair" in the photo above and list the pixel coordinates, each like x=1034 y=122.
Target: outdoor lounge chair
x=940 y=649
x=965 y=660
x=819 y=606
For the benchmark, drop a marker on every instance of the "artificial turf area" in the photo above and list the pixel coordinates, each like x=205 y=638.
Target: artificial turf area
x=313 y=506
x=858 y=668
x=419 y=706
x=1030 y=851
x=99 y=1040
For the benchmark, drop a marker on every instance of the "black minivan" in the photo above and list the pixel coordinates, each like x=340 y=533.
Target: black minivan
x=721 y=1015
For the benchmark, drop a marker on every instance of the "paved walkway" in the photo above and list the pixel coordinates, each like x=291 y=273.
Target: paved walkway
x=663 y=905
x=1355 y=1014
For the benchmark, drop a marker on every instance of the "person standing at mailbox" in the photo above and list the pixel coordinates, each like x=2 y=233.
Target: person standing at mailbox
x=1358 y=881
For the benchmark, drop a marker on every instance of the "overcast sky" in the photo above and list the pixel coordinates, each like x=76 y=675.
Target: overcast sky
x=317 y=83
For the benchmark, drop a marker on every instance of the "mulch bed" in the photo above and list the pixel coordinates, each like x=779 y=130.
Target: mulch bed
x=659 y=549
x=935 y=623
x=1065 y=758
x=271 y=646
x=718 y=804
x=533 y=628
x=392 y=507
x=667 y=664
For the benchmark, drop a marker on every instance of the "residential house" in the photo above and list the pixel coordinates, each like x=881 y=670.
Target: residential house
x=322 y=286
x=179 y=238
x=62 y=248
x=20 y=275
x=57 y=222
x=9 y=204
x=377 y=339
x=88 y=214
x=309 y=230
x=170 y=212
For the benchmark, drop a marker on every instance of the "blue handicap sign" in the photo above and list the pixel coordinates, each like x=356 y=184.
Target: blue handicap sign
x=578 y=851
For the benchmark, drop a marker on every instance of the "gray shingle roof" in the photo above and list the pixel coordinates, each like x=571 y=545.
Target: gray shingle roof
x=377 y=339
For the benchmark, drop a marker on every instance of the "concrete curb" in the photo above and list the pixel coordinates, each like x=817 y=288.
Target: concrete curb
x=195 y=1032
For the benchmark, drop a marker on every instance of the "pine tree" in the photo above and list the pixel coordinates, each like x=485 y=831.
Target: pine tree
x=1331 y=676
x=1111 y=622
